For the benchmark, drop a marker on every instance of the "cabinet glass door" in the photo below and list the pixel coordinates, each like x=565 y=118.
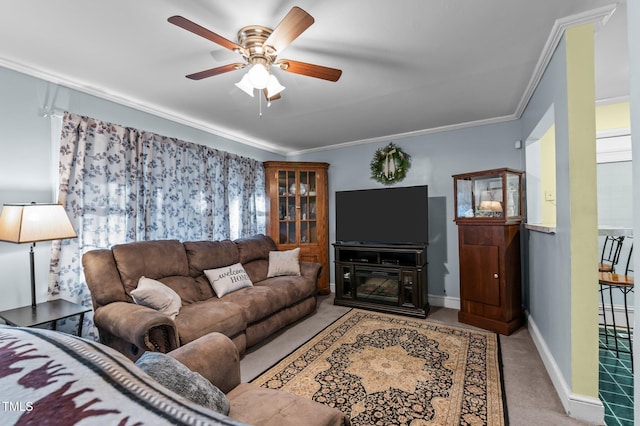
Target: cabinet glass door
x=307 y=196
x=408 y=288
x=297 y=205
x=287 y=207
x=347 y=288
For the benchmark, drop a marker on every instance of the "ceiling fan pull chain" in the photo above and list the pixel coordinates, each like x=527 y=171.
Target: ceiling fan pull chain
x=260 y=106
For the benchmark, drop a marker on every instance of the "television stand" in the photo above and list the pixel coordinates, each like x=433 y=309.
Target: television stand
x=382 y=277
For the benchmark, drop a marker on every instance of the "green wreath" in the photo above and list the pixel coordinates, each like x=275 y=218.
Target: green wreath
x=390 y=164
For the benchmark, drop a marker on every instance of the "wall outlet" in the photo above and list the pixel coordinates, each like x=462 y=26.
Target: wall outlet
x=549 y=196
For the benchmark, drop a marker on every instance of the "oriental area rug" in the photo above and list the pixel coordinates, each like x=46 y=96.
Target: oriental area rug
x=382 y=369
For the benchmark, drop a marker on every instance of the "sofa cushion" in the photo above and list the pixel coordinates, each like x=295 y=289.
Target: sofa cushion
x=155 y=295
x=228 y=279
x=69 y=380
x=257 y=269
x=198 y=319
x=175 y=376
x=291 y=289
x=267 y=407
x=256 y=247
x=257 y=302
x=284 y=263
x=203 y=255
x=152 y=259
x=190 y=289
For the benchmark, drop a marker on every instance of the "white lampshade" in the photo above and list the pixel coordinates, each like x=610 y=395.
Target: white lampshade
x=273 y=86
x=245 y=85
x=258 y=76
x=494 y=206
x=30 y=223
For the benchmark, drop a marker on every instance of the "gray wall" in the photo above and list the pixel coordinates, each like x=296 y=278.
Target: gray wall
x=435 y=158
x=26 y=168
x=548 y=288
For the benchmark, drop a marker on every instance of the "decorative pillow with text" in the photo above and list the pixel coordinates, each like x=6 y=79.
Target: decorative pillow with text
x=228 y=279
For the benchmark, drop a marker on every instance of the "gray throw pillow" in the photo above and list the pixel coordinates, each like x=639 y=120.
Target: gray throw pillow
x=158 y=296
x=175 y=376
x=284 y=263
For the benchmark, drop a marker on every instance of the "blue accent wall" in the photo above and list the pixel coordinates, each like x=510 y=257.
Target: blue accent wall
x=435 y=157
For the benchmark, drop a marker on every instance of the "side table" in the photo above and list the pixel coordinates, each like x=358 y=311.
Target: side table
x=46 y=312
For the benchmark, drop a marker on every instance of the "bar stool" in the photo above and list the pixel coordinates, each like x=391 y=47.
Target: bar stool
x=610 y=253
x=608 y=282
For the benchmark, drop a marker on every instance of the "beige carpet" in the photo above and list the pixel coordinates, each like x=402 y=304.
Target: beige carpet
x=378 y=367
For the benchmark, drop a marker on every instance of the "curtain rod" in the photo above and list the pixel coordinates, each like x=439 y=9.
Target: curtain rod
x=51 y=112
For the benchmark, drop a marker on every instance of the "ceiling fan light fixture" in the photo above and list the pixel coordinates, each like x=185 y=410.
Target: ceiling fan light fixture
x=245 y=85
x=259 y=76
x=259 y=47
x=273 y=86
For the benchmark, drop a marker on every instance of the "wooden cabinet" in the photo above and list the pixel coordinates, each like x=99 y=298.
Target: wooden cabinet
x=490 y=295
x=297 y=211
x=488 y=208
x=390 y=278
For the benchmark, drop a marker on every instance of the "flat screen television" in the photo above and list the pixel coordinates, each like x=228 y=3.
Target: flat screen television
x=383 y=216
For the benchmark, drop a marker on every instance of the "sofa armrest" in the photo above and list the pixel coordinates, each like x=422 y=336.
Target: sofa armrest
x=215 y=357
x=133 y=329
x=310 y=270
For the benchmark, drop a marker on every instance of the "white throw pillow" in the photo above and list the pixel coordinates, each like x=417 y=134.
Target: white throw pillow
x=154 y=294
x=228 y=279
x=284 y=263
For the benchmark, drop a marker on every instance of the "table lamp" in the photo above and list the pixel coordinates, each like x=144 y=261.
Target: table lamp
x=32 y=223
x=494 y=206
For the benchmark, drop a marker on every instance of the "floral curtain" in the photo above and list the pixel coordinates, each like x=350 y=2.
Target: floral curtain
x=120 y=185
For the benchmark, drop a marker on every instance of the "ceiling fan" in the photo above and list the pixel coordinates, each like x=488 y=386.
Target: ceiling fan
x=259 y=47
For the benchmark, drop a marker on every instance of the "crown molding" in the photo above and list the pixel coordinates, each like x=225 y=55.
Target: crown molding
x=610 y=101
x=405 y=135
x=129 y=102
x=598 y=16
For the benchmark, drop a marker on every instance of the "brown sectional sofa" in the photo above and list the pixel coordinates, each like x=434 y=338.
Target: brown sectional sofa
x=97 y=385
x=250 y=403
x=246 y=316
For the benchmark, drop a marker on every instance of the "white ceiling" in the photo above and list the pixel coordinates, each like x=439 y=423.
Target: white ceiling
x=409 y=66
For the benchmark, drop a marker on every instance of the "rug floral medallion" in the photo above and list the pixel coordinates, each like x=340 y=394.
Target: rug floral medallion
x=387 y=369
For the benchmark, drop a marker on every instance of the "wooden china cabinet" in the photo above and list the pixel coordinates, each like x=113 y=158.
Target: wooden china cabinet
x=488 y=212
x=297 y=211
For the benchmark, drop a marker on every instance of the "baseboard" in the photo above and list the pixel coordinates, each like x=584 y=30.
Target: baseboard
x=440 y=301
x=577 y=406
x=618 y=315
x=445 y=302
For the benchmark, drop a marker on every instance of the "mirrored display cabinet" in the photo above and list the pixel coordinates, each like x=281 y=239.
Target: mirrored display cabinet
x=488 y=210
x=494 y=195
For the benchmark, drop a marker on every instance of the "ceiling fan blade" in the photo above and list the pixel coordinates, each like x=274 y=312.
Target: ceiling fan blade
x=311 y=70
x=203 y=32
x=215 y=71
x=291 y=26
x=273 y=98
